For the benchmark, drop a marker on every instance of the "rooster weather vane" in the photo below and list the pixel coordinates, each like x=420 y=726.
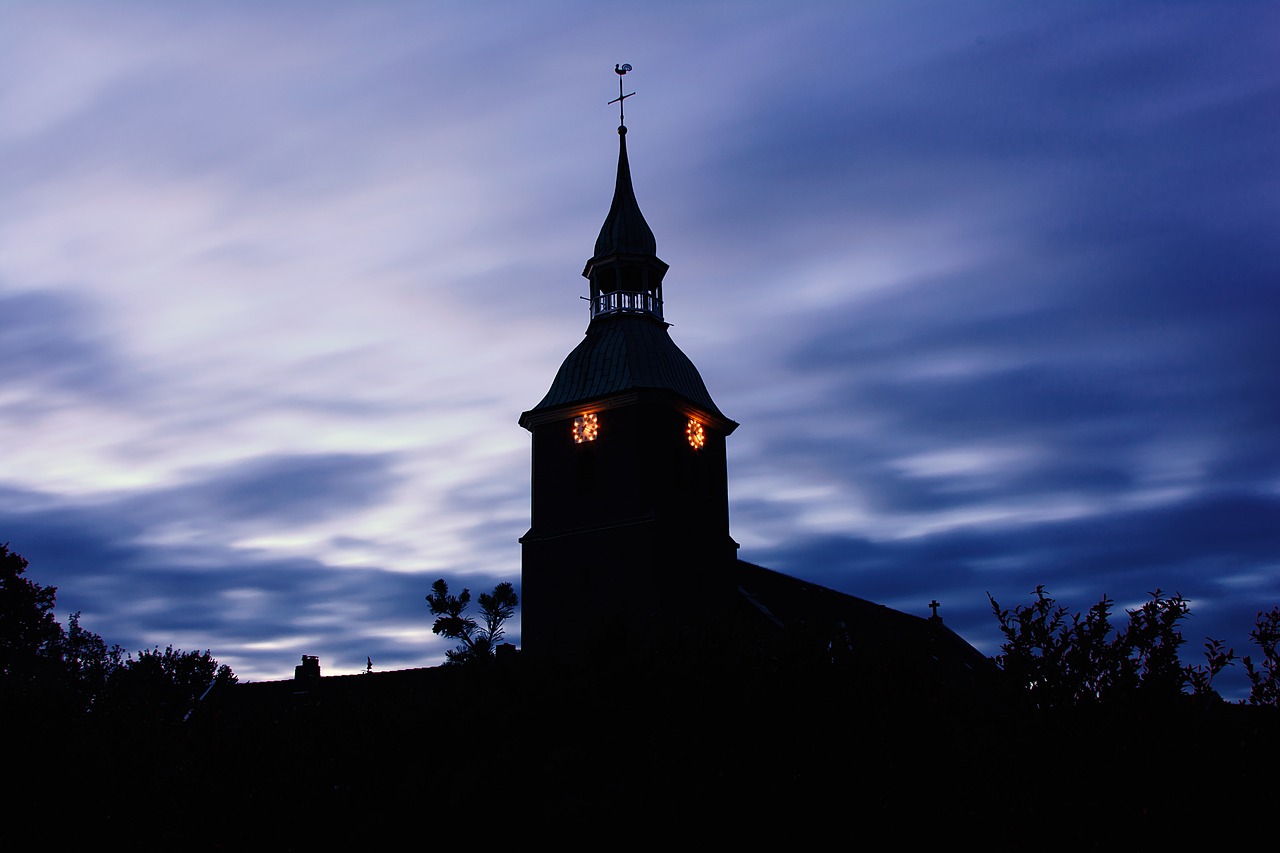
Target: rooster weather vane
x=621 y=70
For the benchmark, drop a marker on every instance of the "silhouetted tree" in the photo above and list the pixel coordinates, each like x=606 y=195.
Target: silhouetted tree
x=167 y=684
x=41 y=664
x=476 y=643
x=1062 y=659
x=1148 y=647
x=29 y=634
x=89 y=663
x=1035 y=653
x=1200 y=676
x=1264 y=679
x=44 y=667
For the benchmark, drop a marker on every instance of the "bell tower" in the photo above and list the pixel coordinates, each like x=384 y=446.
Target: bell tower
x=630 y=508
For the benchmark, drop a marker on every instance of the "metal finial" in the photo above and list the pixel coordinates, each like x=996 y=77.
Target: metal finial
x=620 y=70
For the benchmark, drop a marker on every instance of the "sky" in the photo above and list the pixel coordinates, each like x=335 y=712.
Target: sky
x=993 y=290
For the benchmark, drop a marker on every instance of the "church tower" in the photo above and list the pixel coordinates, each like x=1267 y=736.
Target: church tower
x=630 y=507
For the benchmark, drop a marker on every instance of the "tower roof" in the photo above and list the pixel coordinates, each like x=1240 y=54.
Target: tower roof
x=627 y=353
x=627 y=348
x=624 y=231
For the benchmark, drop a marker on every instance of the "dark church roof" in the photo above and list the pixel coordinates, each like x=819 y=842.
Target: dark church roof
x=626 y=353
x=789 y=601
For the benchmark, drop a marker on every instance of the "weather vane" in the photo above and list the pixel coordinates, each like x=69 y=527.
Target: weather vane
x=621 y=70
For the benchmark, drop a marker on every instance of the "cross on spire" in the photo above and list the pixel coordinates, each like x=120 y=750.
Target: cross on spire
x=620 y=70
x=934 y=605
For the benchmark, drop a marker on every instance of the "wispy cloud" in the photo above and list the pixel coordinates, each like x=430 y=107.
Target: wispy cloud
x=990 y=288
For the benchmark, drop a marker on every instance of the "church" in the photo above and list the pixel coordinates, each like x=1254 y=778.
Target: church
x=629 y=557
x=629 y=539
x=663 y=683
x=660 y=678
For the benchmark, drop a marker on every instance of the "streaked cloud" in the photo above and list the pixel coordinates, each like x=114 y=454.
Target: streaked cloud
x=990 y=288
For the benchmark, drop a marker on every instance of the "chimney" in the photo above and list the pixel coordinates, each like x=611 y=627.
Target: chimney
x=308 y=670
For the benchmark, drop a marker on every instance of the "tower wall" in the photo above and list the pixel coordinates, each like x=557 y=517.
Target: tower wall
x=630 y=535
x=629 y=541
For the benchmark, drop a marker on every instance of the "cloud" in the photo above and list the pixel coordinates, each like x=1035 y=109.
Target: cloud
x=1219 y=551
x=49 y=349
x=990 y=290
x=291 y=490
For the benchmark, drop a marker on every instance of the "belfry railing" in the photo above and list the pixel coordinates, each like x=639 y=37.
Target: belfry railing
x=626 y=302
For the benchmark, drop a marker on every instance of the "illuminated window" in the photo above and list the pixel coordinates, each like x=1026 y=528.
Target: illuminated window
x=585 y=428
x=697 y=436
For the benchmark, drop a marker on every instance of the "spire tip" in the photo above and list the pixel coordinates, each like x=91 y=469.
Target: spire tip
x=621 y=69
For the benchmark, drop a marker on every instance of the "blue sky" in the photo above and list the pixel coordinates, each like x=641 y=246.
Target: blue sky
x=991 y=288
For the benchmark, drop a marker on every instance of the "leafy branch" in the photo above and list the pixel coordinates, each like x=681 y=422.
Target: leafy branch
x=475 y=642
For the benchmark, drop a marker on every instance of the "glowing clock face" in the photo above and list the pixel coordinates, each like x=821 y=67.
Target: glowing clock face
x=696 y=434
x=585 y=428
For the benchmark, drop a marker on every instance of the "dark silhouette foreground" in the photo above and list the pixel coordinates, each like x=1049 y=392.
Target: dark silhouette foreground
x=700 y=746
x=731 y=732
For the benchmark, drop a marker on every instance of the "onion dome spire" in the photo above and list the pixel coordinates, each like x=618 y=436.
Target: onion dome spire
x=625 y=271
x=624 y=229
x=626 y=350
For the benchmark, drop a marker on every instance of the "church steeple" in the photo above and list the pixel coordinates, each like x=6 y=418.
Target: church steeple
x=625 y=271
x=626 y=284
x=629 y=482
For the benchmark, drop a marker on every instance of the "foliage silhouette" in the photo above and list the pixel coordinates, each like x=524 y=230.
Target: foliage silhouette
x=89 y=663
x=1264 y=679
x=166 y=685
x=1200 y=676
x=475 y=643
x=29 y=633
x=46 y=669
x=1060 y=660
